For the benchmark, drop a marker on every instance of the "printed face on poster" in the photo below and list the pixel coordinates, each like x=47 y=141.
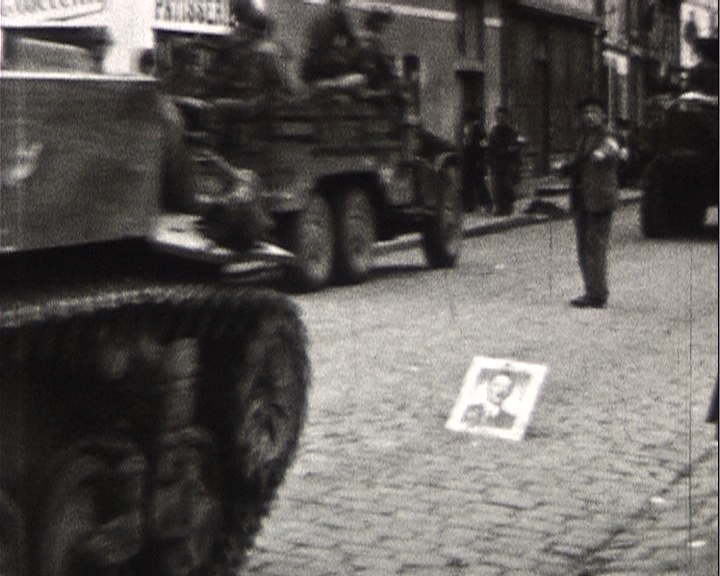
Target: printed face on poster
x=497 y=398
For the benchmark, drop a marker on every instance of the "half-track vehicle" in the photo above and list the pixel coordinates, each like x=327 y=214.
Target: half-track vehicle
x=681 y=180
x=343 y=163
x=149 y=410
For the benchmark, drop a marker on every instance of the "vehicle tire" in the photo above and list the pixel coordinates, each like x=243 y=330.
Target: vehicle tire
x=663 y=214
x=691 y=218
x=354 y=234
x=442 y=236
x=11 y=537
x=312 y=240
x=259 y=378
x=654 y=210
x=271 y=388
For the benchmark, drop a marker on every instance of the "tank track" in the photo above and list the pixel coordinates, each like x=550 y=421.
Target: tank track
x=145 y=431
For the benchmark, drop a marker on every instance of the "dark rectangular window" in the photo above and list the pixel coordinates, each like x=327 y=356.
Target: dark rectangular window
x=460 y=27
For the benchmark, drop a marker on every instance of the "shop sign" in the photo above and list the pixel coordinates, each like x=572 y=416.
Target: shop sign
x=192 y=15
x=19 y=12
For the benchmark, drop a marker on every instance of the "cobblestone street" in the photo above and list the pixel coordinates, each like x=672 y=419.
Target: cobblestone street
x=616 y=447
x=676 y=532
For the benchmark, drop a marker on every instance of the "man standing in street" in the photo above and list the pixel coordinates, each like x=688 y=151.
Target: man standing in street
x=474 y=145
x=594 y=189
x=504 y=151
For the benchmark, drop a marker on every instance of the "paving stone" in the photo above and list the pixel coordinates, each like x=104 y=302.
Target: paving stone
x=375 y=444
x=548 y=567
x=568 y=551
x=472 y=570
x=511 y=498
x=585 y=539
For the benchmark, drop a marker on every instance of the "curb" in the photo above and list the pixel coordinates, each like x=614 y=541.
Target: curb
x=475 y=229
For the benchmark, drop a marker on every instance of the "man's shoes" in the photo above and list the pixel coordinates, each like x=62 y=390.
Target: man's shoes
x=588 y=302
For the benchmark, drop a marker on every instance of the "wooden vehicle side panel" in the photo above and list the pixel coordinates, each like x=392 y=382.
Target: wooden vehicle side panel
x=300 y=149
x=80 y=159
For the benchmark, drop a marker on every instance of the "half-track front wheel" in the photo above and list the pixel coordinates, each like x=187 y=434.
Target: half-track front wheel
x=442 y=236
x=355 y=235
x=312 y=240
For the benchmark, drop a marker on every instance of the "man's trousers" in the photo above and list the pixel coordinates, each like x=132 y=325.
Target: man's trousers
x=503 y=191
x=592 y=231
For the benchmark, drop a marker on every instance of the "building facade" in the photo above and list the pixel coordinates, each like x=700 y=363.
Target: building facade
x=536 y=57
x=641 y=53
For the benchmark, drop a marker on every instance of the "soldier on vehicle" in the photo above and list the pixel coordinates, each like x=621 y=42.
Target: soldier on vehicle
x=332 y=45
x=377 y=64
x=247 y=13
x=274 y=63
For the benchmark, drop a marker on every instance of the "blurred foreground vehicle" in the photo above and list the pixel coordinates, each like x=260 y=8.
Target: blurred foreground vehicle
x=149 y=412
x=681 y=180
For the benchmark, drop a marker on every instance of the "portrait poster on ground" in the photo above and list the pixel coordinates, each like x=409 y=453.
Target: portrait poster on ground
x=497 y=398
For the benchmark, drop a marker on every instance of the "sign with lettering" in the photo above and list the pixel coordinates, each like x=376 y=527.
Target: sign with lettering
x=28 y=12
x=203 y=16
x=497 y=398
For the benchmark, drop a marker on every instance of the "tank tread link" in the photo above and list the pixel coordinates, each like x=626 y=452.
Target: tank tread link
x=145 y=430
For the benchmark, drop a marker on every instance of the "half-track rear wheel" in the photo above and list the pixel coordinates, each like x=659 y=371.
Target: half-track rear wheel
x=355 y=235
x=157 y=427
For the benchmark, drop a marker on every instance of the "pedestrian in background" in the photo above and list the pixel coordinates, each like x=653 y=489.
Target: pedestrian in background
x=594 y=197
x=504 y=155
x=474 y=170
x=628 y=168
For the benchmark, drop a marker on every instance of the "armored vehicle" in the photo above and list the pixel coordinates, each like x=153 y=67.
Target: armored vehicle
x=681 y=180
x=344 y=163
x=149 y=410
